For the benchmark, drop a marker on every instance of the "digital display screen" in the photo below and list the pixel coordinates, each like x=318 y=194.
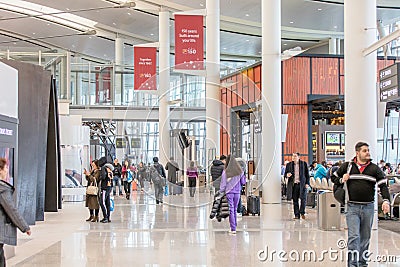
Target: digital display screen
x=333 y=138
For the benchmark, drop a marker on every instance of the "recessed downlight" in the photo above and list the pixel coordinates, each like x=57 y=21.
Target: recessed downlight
x=291 y=22
x=319 y=9
x=284 y=44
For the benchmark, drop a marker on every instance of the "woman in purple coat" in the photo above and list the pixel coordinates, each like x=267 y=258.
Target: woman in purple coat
x=192 y=175
x=232 y=179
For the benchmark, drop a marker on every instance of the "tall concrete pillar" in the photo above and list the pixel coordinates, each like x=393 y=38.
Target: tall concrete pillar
x=119 y=62
x=271 y=101
x=360 y=72
x=213 y=104
x=164 y=76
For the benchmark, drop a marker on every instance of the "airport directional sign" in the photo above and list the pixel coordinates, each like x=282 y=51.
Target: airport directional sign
x=389 y=83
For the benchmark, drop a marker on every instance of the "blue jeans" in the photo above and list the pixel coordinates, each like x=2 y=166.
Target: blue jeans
x=359 y=218
x=117 y=182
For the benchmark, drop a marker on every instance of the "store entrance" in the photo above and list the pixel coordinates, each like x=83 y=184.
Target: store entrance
x=327 y=127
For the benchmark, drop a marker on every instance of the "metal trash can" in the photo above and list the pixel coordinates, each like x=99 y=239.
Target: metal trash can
x=328 y=211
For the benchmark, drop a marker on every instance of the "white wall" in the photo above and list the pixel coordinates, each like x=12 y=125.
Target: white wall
x=8 y=91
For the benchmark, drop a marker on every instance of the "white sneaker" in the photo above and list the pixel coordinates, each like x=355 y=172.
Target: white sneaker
x=232 y=232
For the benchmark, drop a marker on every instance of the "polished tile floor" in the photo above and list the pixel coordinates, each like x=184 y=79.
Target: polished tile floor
x=180 y=233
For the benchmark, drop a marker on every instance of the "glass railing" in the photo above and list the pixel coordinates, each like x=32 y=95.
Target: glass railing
x=95 y=84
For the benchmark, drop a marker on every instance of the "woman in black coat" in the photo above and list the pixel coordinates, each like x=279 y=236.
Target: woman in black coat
x=10 y=218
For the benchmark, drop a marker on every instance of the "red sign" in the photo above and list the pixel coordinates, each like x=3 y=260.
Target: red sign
x=189 y=42
x=145 y=68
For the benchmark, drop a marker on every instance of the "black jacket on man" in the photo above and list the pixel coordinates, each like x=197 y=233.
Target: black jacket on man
x=304 y=178
x=216 y=171
x=361 y=186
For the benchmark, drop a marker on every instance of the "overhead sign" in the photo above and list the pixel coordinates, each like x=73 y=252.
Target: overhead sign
x=389 y=83
x=136 y=143
x=189 y=42
x=145 y=60
x=120 y=143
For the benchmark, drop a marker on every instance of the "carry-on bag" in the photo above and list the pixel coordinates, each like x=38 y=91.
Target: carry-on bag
x=253 y=205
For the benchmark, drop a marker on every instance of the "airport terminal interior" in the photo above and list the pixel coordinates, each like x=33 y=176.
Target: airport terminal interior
x=157 y=93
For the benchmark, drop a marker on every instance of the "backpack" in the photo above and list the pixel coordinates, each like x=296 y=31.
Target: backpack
x=129 y=177
x=156 y=176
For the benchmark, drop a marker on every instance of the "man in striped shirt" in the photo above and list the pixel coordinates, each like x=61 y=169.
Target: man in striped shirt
x=361 y=178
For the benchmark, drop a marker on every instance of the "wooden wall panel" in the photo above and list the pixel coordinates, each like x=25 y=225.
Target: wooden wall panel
x=245 y=91
x=297 y=130
x=239 y=85
x=250 y=74
x=325 y=73
x=296 y=84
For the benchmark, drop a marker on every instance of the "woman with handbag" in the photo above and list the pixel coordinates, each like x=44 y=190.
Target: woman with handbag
x=92 y=202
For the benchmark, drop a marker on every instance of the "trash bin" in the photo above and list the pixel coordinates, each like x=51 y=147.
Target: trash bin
x=328 y=211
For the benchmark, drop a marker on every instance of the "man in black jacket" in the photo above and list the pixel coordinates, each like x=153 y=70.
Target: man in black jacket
x=298 y=182
x=216 y=171
x=361 y=178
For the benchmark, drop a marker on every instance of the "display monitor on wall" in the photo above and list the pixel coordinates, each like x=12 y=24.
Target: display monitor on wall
x=8 y=153
x=332 y=138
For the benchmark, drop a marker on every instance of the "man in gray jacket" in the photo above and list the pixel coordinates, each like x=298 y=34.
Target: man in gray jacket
x=10 y=218
x=172 y=167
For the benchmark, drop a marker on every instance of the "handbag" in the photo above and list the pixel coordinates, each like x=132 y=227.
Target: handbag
x=92 y=190
x=340 y=191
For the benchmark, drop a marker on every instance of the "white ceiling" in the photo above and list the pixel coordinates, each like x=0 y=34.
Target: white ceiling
x=305 y=23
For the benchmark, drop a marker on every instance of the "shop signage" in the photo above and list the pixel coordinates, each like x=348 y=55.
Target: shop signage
x=5 y=131
x=120 y=143
x=389 y=83
x=189 y=42
x=145 y=68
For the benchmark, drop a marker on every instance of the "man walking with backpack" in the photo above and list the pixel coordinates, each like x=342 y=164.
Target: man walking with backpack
x=157 y=176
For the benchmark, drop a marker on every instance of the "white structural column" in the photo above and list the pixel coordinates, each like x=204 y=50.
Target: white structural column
x=360 y=72
x=360 y=82
x=271 y=101
x=332 y=46
x=120 y=152
x=213 y=104
x=164 y=74
x=119 y=62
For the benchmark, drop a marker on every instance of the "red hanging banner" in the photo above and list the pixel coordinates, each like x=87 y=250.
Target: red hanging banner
x=145 y=68
x=189 y=42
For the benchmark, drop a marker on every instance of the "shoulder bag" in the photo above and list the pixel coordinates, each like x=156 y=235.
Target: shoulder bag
x=92 y=190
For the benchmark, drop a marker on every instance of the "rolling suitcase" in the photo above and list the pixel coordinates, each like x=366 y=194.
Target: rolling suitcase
x=178 y=188
x=310 y=202
x=253 y=205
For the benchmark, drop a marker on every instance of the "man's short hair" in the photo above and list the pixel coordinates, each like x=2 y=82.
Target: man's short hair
x=297 y=153
x=359 y=145
x=222 y=157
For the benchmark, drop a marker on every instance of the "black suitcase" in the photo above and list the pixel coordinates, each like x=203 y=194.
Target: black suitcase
x=253 y=205
x=310 y=202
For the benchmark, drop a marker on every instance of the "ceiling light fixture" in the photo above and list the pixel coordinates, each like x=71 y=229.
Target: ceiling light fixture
x=319 y=9
x=247 y=15
x=291 y=22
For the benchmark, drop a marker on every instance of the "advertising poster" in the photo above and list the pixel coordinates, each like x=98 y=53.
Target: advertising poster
x=189 y=42
x=145 y=68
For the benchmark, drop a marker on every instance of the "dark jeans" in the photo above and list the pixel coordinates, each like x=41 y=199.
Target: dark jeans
x=2 y=259
x=359 y=218
x=296 y=196
x=117 y=182
x=104 y=201
x=192 y=186
x=127 y=187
